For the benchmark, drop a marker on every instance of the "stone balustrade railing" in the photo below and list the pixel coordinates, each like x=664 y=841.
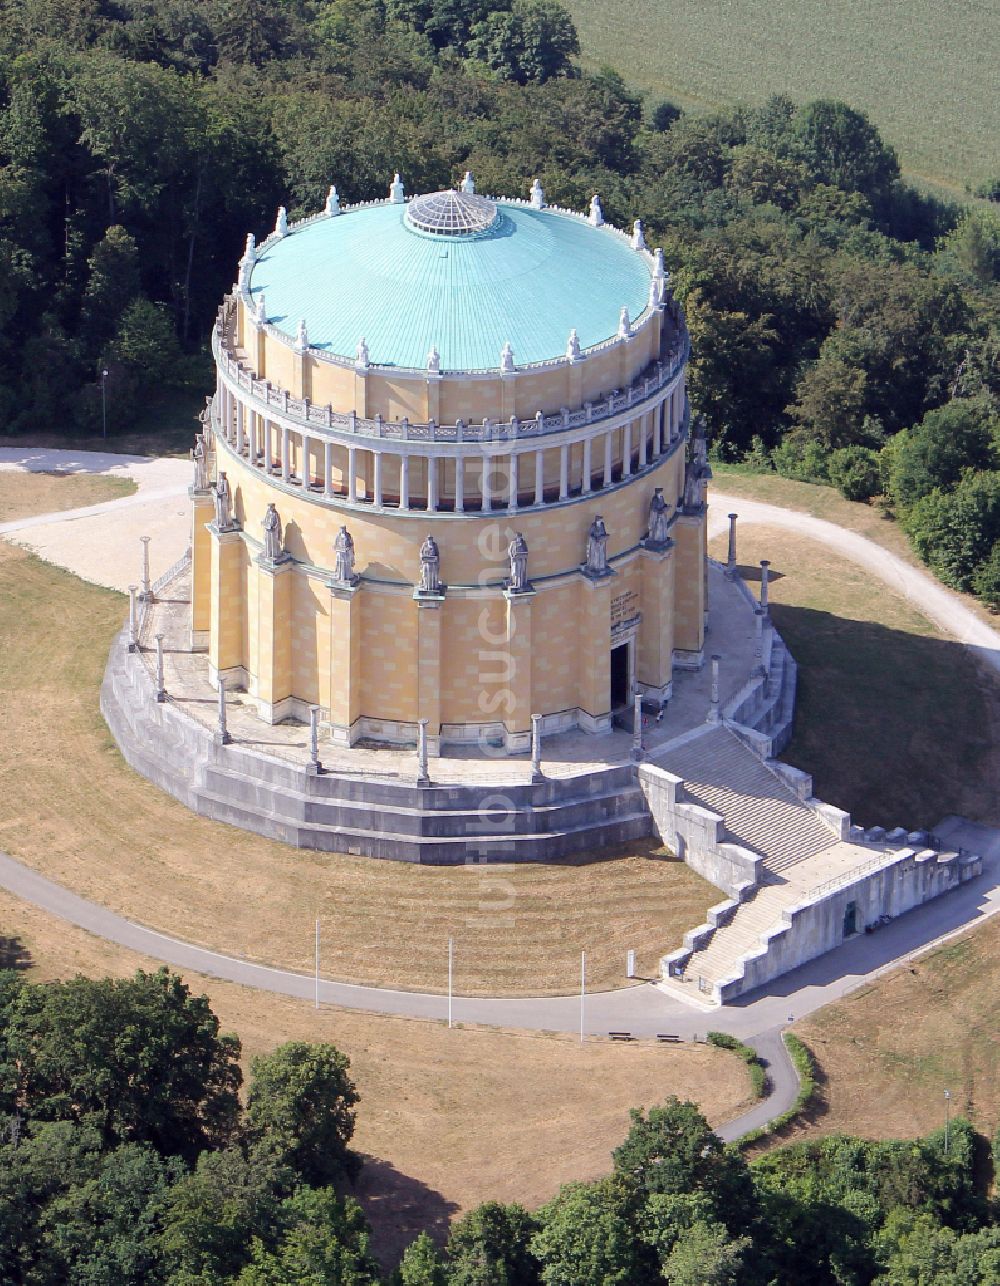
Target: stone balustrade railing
x=303 y=412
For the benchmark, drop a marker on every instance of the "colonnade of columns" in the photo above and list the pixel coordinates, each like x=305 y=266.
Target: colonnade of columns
x=479 y=478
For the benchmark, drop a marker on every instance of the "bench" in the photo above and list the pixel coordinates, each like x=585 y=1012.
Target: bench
x=619 y=1035
x=667 y=1039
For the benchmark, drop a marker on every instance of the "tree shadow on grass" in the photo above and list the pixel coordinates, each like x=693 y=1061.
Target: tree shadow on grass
x=399 y=1207
x=897 y=728
x=14 y=954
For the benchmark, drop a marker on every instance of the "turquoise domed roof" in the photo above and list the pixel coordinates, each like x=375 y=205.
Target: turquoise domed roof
x=452 y=272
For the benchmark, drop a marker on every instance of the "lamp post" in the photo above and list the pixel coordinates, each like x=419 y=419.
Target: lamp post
x=947 y=1119
x=104 y=404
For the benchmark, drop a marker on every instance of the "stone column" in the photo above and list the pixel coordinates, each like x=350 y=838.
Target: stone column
x=327 y=468
x=627 y=451
x=713 y=710
x=643 y=434
x=758 y=645
x=404 y=482
x=147 y=592
x=585 y=480
x=222 y=731
x=764 y=566
x=539 y=477
x=305 y=471
x=563 y=472
x=240 y=434
x=352 y=475
x=286 y=466
x=432 y=484
x=423 y=773
x=377 y=478
x=536 y=748
x=512 y=482
x=637 y=725
x=731 y=555
x=608 y=443
x=314 y=765
x=133 y=619
x=689 y=598
x=161 y=691
x=486 y=486
x=459 y=484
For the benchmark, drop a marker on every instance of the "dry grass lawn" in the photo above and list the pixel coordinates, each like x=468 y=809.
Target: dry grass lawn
x=447 y=1119
x=896 y=723
x=71 y=807
x=889 y=1052
x=22 y=495
x=869 y=520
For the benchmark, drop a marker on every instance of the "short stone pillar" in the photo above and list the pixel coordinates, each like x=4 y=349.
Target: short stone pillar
x=731 y=556
x=758 y=642
x=764 y=565
x=161 y=691
x=222 y=732
x=133 y=619
x=423 y=773
x=147 y=588
x=713 y=710
x=314 y=767
x=637 y=726
x=536 y=747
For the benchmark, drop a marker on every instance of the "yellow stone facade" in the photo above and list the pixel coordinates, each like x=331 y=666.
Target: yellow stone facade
x=470 y=459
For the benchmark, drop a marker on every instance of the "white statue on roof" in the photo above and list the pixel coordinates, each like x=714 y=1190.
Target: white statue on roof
x=537 y=195
x=396 y=194
x=624 y=325
x=507 y=358
x=573 y=346
x=281 y=222
x=332 y=202
x=468 y=184
x=301 y=337
x=596 y=216
x=361 y=356
x=433 y=361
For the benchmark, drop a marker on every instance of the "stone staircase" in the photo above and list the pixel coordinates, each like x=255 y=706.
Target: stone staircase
x=759 y=809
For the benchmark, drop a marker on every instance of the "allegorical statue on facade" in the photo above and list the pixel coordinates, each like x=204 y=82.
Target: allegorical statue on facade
x=692 y=486
x=223 y=504
x=517 y=552
x=343 y=557
x=597 y=549
x=430 y=567
x=199 y=457
x=273 y=547
x=658 y=533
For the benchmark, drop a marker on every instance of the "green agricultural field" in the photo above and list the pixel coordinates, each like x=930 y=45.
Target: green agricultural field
x=925 y=72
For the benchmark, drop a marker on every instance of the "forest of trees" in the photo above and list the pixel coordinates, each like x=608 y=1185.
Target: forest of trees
x=846 y=328
x=127 y=1158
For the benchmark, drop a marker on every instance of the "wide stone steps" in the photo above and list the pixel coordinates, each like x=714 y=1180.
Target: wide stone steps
x=484 y=844
x=759 y=810
x=762 y=915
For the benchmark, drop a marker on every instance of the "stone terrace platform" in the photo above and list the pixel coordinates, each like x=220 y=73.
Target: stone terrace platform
x=731 y=634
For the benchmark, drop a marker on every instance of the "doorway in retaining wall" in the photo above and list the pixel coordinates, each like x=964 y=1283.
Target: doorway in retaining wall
x=850 y=919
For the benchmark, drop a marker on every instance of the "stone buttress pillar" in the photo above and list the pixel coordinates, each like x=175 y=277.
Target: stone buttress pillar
x=655 y=650
x=690 y=601
x=518 y=704
x=430 y=614
x=202 y=513
x=594 y=653
x=344 y=675
x=271 y=638
x=226 y=592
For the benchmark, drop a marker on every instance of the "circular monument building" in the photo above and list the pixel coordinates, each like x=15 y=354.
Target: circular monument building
x=445 y=473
